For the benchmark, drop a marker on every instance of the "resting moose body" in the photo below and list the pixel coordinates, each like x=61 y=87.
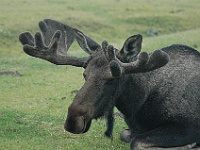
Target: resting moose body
x=158 y=93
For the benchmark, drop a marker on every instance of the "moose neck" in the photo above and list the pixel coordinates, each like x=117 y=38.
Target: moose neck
x=133 y=89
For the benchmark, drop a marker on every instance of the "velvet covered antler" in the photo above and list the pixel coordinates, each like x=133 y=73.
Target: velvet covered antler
x=144 y=63
x=52 y=44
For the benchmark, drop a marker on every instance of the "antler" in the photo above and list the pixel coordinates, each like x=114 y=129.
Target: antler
x=144 y=63
x=52 y=44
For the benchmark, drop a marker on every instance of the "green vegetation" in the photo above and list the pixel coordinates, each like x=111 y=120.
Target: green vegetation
x=35 y=95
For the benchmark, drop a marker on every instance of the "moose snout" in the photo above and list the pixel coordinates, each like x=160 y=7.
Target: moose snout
x=75 y=125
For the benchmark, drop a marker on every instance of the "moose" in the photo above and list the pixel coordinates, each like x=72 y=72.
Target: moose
x=158 y=92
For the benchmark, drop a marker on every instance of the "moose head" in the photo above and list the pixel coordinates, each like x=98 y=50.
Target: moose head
x=102 y=75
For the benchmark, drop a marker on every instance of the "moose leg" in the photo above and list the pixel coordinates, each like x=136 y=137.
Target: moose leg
x=109 y=123
x=168 y=137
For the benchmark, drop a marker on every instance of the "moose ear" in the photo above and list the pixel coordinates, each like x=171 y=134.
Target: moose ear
x=131 y=48
x=86 y=43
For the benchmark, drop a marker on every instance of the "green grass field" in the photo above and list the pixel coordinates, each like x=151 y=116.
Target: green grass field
x=35 y=94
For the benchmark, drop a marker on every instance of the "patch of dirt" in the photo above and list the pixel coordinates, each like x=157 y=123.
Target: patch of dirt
x=11 y=73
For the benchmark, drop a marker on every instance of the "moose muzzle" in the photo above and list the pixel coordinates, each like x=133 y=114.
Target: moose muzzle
x=75 y=125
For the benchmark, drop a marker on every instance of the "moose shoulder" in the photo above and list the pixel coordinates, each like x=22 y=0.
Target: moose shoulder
x=158 y=93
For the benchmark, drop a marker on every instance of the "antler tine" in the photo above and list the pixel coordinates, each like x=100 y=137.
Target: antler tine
x=109 y=51
x=52 y=44
x=49 y=27
x=158 y=59
x=86 y=43
x=144 y=63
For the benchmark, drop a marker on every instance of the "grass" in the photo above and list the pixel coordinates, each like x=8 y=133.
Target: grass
x=33 y=106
